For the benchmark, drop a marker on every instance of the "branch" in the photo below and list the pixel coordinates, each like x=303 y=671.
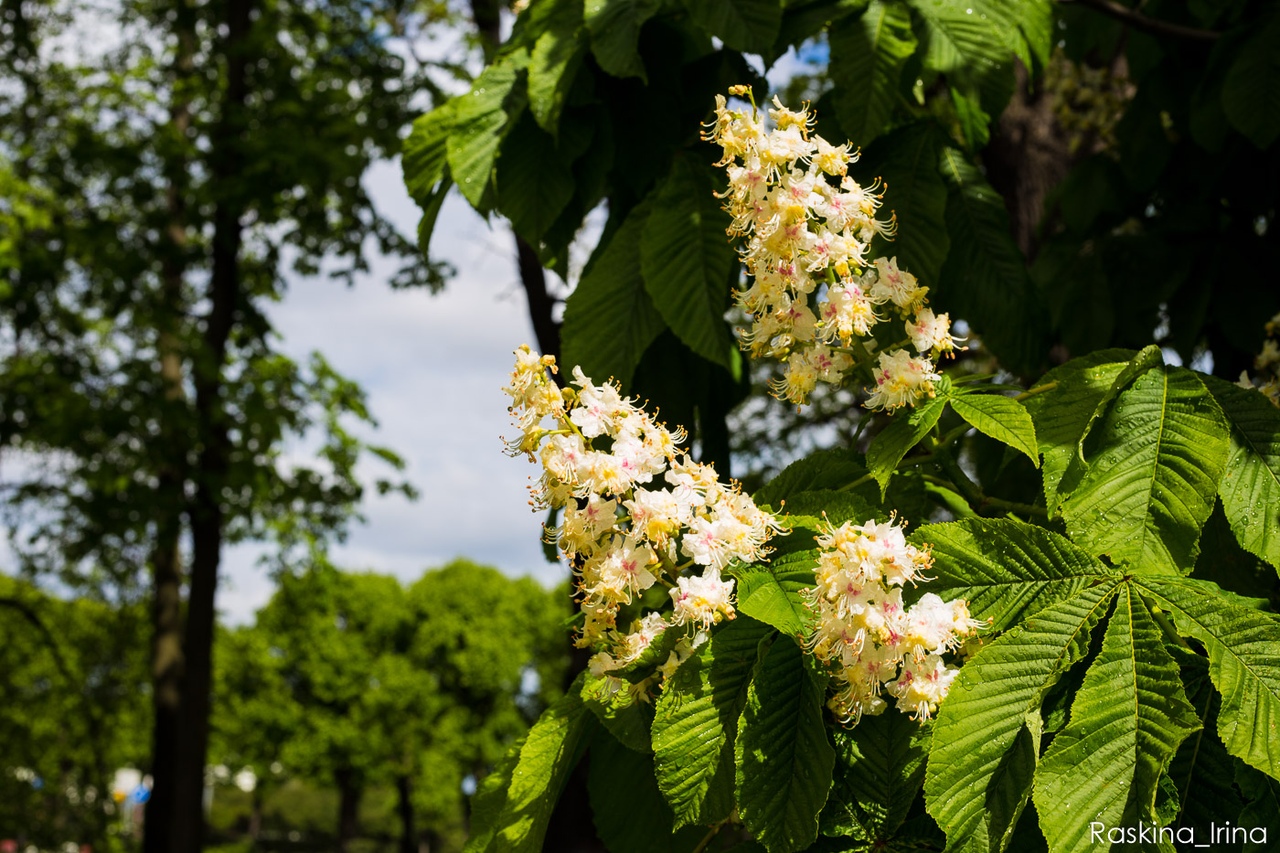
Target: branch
x=1147 y=25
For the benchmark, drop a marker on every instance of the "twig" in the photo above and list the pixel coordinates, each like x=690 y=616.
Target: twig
x=1147 y=25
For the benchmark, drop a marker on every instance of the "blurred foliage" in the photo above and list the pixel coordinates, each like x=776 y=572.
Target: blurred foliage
x=74 y=709
x=389 y=696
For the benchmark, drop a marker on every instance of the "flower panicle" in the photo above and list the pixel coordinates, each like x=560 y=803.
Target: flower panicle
x=874 y=646
x=807 y=228
x=637 y=512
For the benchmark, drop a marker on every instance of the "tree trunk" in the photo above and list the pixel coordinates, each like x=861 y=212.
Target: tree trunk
x=348 y=807
x=207 y=513
x=166 y=565
x=408 y=838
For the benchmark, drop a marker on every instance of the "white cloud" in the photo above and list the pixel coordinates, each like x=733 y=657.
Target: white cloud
x=433 y=368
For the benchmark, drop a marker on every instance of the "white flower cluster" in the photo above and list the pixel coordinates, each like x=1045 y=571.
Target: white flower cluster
x=817 y=301
x=1267 y=363
x=871 y=643
x=637 y=511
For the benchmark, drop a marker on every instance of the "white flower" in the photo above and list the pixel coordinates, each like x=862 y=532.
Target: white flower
x=703 y=600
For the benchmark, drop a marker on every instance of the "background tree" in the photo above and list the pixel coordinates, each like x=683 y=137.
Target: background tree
x=71 y=677
x=379 y=685
x=164 y=178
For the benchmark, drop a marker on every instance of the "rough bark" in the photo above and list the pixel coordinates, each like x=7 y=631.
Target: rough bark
x=1026 y=158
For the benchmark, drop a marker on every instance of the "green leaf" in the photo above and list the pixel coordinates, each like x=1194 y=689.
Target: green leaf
x=626 y=718
x=1150 y=484
x=974 y=122
x=902 y=434
x=879 y=770
x=554 y=62
x=823 y=469
x=988 y=727
x=482 y=119
x=628 y=809
x=1251 y=91
x=1026 y=26
x=907 y=160
x=1202 y=770
x=746 y=25
x=985 y=278
x=1146 y=359
x=1250 y=487
x=1006 y=569
x=431 y=212
x=804 y=19
x=696 y=718
x=1062 y=405
x=614 y=26
x=1002 y=418
x=425 y=151
x=686 y=261
x=772 y=594
x=1127 y=721
x=489 y=799
x=534 y=182
x=784 y=761
x=546 y=759
x=1262 y=796
x=609 y=319
x=868 y=53
x=967 y=45
x=1243 y=664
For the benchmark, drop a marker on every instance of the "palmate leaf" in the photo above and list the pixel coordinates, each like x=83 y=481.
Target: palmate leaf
x=868 y=53
x=614 y=26
x=489 y=799
x=686 y=261
x=1006 y=569
x=533 y=180
x=879 y=770
x=746 y=25
x=609 y=319
x=1127 y=721
x=697 y=716
x=1152 y=475
x=969 y=47
x=1250 y=487
x=548 y=755
x=907 y=160
x=1251 y=90
x=1243 y=664
x=784 y=761
x=628 y=809
x=772 y=594
x=985 y=278
x=554 y=61
x=1002 y=418
x=988 y=730
x=903 y=433
x=481 y=120
x=1062 y=405
x=627 y=719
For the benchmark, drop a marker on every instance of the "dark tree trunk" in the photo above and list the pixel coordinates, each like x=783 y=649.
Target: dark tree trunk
x=166 y=561
x=408 y=837
x=1026 y=158
x=207 y=514
x=348 y=807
